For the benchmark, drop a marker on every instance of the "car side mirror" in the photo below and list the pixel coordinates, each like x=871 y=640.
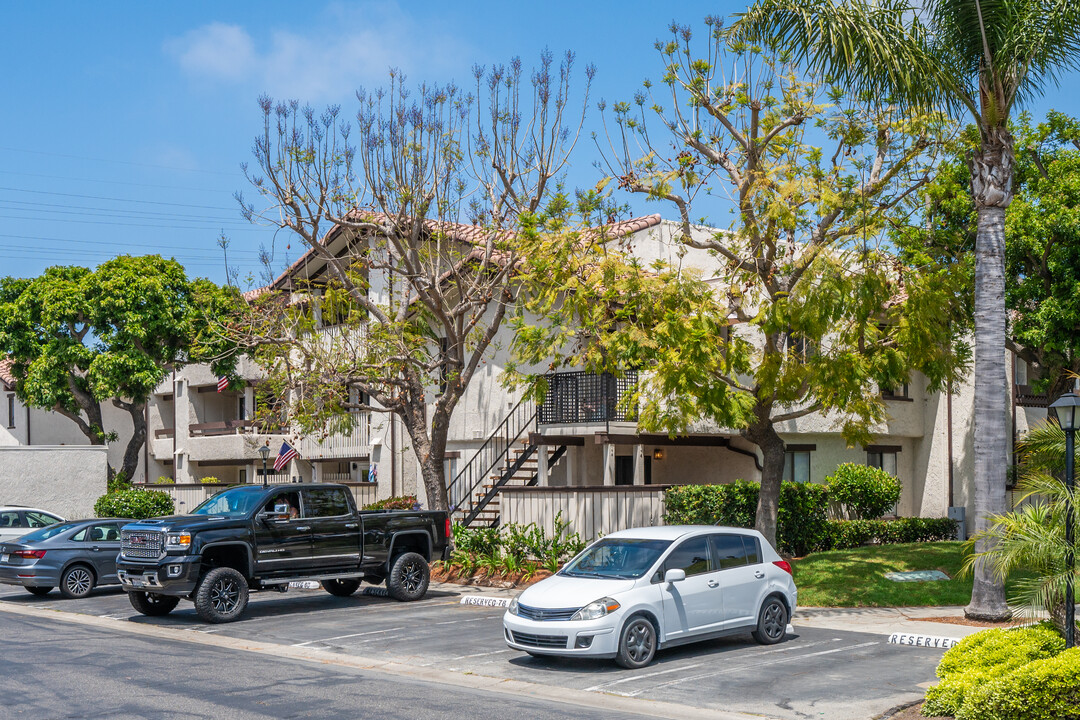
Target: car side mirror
x=674 y=575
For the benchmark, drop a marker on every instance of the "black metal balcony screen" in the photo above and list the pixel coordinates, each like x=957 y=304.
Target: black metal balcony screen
x=581 y=398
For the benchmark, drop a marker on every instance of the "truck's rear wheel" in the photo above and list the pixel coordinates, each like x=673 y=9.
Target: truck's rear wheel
x=153 y=604
x=409 y=576
x=221 y=596
x=341 y=588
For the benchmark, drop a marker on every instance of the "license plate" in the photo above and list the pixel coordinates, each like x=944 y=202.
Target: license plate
x=137 y=583
x=4 y=557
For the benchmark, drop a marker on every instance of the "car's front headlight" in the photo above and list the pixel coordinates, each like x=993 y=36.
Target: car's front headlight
x=178 y=540
x=512 y=608
x=596 y=609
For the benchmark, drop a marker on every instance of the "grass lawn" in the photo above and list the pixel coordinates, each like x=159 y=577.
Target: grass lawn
x=856 y=578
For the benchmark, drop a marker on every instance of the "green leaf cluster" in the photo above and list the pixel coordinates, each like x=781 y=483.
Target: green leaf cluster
x=1047 y=689
x=847 y=534
x=863 y=492
x=136 y=503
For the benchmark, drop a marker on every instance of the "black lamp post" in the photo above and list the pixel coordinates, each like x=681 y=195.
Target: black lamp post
x=1067 y=417
x=265 y=452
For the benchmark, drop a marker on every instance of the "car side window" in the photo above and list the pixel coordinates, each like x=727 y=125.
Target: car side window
x=39 y=520
x=329 y=502
x=691 y=556
x=753 y=549
x=9 y=518
x=285 y=504
x=80 y=536
x=730 y=551
x=101 y=533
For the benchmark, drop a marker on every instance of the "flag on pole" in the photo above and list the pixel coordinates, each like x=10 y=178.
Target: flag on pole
x=286 y=454
x=373 y=473
x=222 y=383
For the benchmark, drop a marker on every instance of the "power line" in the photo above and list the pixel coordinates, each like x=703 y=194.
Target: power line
x=121 y=245
x=101 y=209
x=114 y=182
x=118 y=162
x=112 y=199
x=211 y=226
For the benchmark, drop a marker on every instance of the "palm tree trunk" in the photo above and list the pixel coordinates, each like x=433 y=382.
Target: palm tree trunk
x=991 y=180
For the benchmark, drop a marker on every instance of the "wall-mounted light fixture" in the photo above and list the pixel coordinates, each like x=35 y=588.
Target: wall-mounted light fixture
x=658 y=454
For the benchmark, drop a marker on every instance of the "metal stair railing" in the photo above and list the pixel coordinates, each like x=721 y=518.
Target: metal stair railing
x=490 y=459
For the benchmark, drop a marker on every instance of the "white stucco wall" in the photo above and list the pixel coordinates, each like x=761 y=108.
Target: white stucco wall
x=65 y=479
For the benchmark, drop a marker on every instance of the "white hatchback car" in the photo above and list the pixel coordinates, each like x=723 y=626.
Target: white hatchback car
x=636 y=591
x=16 y=521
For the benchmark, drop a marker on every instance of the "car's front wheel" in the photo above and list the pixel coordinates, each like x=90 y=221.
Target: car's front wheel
x=341 y=588
x=39 y=591
x=409 y=577
x=152 y=604
x=77 y=582
x=772 y=621
x=222 y=595
x=637 y=644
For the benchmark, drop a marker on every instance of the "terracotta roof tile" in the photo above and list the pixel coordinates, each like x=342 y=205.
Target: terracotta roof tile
x=5 y=372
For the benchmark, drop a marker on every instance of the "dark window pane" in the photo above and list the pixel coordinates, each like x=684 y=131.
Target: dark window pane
x=327 y=503
x=729 y=551
x=691 y=556
x=753 y=549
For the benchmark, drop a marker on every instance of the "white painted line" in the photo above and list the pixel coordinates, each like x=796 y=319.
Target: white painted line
x=455 y=622
x=485 y=601
x=483 y=654
x=931 y=641
x=342 y=637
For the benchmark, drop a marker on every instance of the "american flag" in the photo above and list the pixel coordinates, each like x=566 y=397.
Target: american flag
x=286 y=454
x=222 y=383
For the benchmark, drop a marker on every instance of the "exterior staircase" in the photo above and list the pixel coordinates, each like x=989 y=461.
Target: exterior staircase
x=522 y=470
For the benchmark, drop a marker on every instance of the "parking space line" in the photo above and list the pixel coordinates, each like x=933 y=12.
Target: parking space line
x=342 y=637
x=455 y=622
x=493 y=652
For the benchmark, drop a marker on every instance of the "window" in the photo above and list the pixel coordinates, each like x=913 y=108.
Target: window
x=11 y=410
x=1020 y=376
x=692 y=556
x=882 y=457
x=330 y=502
x=753 y=549
x=98 y=533
x=38 y=519
x=899 y=392
x=729 y=551
x=624 y=469
x=241 y=407
x=10 y=519
x=80 y=536
x=797 y=463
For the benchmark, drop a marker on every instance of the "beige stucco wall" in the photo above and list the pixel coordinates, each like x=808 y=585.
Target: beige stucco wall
x=65 y=479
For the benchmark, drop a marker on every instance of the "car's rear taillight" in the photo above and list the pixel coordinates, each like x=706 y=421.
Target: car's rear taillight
x=449 y=528
x=783 y=565
x=29 y=554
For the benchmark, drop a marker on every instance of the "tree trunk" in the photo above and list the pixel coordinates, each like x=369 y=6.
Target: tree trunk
x=137 y=441
x=765 y=437
x=991 y=180
x=430 y=451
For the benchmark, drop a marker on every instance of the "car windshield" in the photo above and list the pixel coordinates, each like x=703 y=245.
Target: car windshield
x=234 y=502
x=46 y=532
x=620 y=558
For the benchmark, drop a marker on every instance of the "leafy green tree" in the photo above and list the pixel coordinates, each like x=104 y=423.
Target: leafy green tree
x=415 y=213
x=79 y=338
x=977 y=58
x=803 y=313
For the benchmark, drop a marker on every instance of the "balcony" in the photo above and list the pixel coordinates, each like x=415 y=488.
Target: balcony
x=581 y=398
x=342 y=446
x=1027 y=397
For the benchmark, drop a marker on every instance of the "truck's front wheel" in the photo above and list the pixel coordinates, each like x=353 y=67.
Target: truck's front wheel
x=222 y=595
x=409 y=576
x=341 y=588
x=153 y=604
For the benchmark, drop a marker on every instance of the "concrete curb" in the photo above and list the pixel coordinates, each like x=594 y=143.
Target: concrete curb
x=517 y=688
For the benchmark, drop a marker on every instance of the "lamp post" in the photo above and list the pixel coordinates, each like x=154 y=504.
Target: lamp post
x=265 y=452
x=1066 y=411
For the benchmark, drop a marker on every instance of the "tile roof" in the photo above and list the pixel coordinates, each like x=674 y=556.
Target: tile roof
x=5 y=372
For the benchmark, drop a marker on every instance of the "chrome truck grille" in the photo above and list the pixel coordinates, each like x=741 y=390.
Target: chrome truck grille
x=142 y=544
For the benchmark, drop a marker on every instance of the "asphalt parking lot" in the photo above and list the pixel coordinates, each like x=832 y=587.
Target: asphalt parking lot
x=814 y=673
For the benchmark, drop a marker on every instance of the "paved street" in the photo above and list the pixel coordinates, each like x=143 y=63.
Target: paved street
x=817 y=672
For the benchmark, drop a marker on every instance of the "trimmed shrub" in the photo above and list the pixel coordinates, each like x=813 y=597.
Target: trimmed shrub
x=118 y=482
x=983 y=657
x=802 y=524
x=400 y=502
x=136 y=503
x=863 y=492
x=1047 y=689
x=847 y=534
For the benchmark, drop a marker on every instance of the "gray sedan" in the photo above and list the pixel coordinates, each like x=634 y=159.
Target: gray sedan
x=74 y=556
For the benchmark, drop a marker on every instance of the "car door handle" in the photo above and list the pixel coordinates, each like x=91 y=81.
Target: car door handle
x=351 y=526
x=714 y=583
x=96 y=549
x=302 y=527
x=759 y=574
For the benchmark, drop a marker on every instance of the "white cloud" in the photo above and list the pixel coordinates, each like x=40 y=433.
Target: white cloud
x=343 y=49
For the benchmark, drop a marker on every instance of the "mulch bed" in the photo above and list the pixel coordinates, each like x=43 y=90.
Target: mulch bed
x=455 y=574
x=911 y=712
x=961 y=620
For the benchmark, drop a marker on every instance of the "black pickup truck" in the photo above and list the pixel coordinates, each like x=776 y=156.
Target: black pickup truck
x=252 y=537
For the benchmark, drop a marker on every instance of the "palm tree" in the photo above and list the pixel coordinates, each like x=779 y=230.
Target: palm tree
x=1032 y=538
x=978 y=58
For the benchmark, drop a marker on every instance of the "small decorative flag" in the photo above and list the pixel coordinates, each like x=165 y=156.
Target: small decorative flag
x=222 y=383
x=373 y=473
x=286 y=454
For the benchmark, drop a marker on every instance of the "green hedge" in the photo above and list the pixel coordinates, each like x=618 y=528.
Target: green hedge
x=846 y=534
x=802 y=525
x=864 y=492
x=986 y=656
x=1047 y=689
x=135 y=503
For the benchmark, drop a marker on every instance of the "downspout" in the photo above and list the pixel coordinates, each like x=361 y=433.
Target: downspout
x=175 y=401
x=393 y=454
x=948 y=425
x=146 y=445
x=747 y=453
x=28 y=442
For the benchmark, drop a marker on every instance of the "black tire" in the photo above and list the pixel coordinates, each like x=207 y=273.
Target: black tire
x=152 y=604
x=637 y=643
x=222 y=595
x=77 y=582
x=409 y=577
x=341 y=588
x=39 y=591
x=772 y=621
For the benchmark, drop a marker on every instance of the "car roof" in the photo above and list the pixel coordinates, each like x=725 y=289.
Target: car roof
x=24 y=507
x=674 y=532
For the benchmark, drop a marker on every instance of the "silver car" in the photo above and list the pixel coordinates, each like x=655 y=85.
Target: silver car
x=16 y=521
x=74 y=556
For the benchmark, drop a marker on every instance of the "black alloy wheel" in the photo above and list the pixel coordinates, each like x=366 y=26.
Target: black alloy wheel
x=772 y=621
x=76 y=582
x=152 y=604
x=341 y=588
x=409 y=577
x=222 y=595
x=637 y=644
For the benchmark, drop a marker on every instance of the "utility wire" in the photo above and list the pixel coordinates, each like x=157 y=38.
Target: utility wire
x=99 y=197
x=118 y=162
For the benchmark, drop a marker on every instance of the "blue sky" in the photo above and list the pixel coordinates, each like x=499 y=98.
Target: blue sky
x=124 y=125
